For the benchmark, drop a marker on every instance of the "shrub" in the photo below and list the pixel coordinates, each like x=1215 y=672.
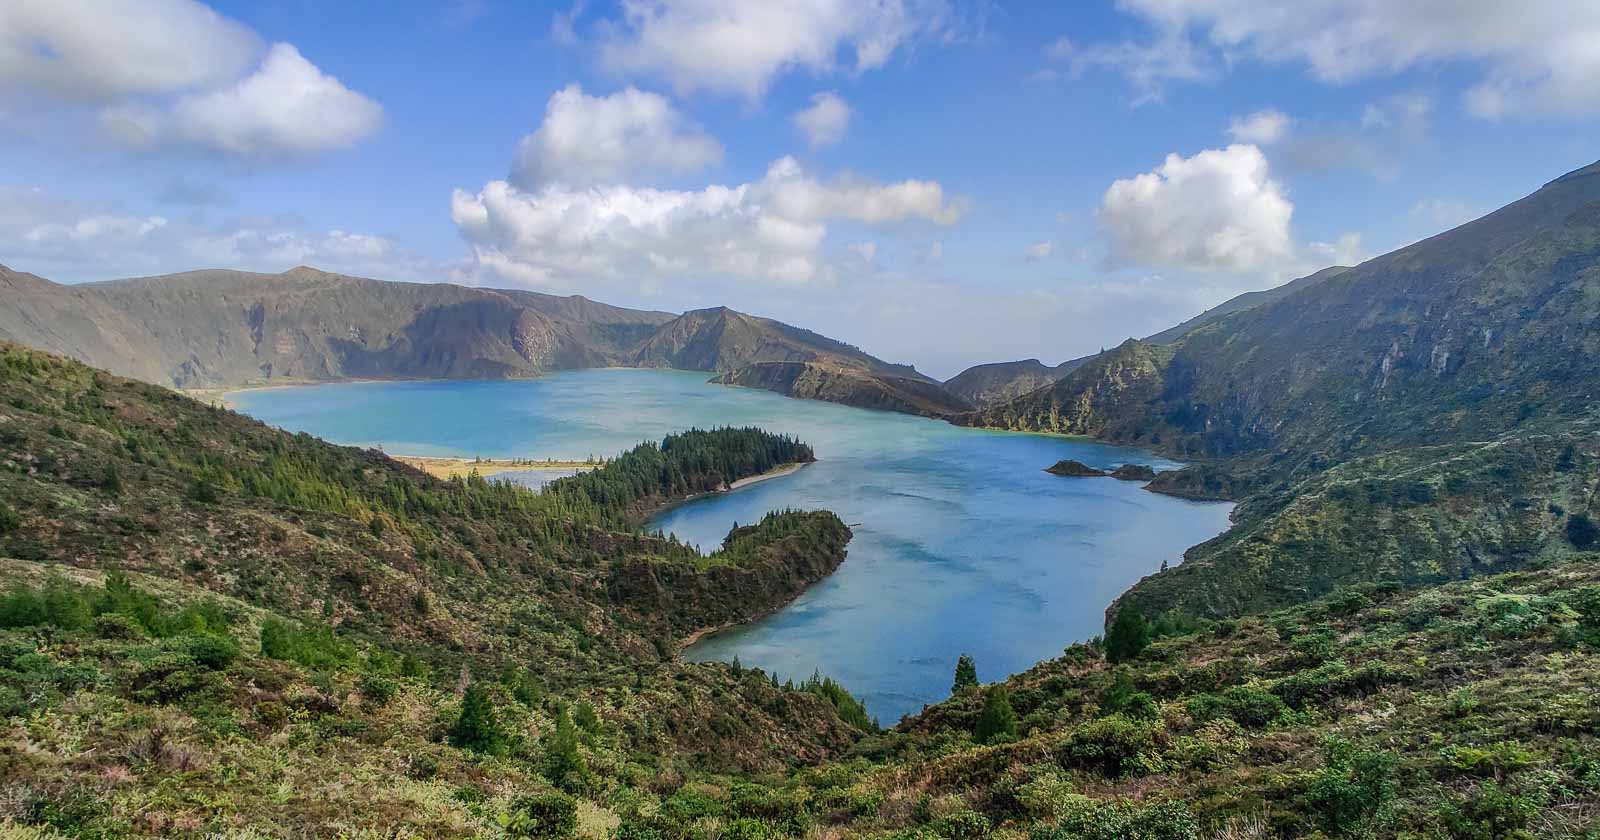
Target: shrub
x=1247 y=705
x=1129 y=635
x=1582 y=531
x=117 y=626
x=211 y=650
x=965 y=824
x=10 y=520
x=1352 y=787
x=378 y=689
x=1160 y=821
x=745 y=828
x=311 y=646
x=549 y=815
x=998 y=721
x=1114 y=746
x=1121 y=698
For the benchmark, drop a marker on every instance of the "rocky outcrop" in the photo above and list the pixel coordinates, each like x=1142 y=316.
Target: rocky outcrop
x=1133 y=472
x=1074 y=469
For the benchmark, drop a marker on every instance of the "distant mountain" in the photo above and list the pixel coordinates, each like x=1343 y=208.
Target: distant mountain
x=1486 y=331
x=998 y=382
x=992 y=384
x=849 y=385
x=218 y=328
x=722 y=340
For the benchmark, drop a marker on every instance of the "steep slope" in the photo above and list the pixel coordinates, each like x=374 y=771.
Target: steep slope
x=1002 y=382
x=1475 y=334
x=228 y=328
x=1467 y=334
x=723 y=340
x=848 y=386
x=210 y=328
x=1248 y=300
x=993 y=384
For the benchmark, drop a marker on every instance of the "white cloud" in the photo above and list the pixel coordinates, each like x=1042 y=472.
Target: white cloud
x=1535 y=57
x=104 y=50
x=826 y=121
x=771 y=230
x=739 y=47
x=1148 y=66
x=1040 y=250
x=1219 y=210
x=586 y=140
x=1263 y=128
x=286 y=108
x=172 y=74
x=67 y=241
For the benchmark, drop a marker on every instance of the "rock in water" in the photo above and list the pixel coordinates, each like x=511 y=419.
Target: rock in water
x=1074 y=469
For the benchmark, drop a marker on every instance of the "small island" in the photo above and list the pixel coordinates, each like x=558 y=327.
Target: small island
x=1134 y=472
x=1074 y=469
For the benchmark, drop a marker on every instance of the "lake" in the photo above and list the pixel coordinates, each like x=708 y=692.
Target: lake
x=962 y=543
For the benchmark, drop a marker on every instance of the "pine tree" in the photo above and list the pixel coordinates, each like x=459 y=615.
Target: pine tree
x=563 y=766
x=966 y=675
x=1128 y=636
x=478 y=728
x=998 y=721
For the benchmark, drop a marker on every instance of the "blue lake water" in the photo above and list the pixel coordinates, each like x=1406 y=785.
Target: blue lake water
x=962 y=543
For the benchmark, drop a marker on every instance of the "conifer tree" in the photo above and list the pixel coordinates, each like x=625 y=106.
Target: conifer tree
x=966 y=675
x=478 y=728
x=1128 y=636
x=998 y=721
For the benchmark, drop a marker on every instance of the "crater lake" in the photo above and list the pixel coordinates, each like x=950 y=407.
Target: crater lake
x=963 y=544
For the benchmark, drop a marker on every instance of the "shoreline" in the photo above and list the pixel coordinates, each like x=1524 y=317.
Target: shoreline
x=776 y=472
x=447 y=466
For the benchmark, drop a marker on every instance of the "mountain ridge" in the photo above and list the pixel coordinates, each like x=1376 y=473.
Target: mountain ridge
x=217 y=328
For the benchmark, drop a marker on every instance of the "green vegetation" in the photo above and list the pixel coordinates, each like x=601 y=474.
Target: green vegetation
x=966 y=675
x=998 y=721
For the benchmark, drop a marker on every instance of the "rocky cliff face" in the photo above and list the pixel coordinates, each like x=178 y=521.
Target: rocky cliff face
x=849 y=386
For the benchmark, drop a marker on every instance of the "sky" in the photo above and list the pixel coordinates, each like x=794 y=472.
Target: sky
x=941 y=182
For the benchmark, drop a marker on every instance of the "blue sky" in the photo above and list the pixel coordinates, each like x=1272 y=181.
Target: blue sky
x=974 y=181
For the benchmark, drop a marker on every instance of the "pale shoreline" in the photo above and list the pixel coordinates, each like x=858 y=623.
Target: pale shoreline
x=445 y=466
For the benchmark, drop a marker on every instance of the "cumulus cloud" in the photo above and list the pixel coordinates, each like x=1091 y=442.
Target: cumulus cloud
x=69 y=241
x=1534 y=57
x=1040 y=250
x=287 y=107
x=738 y=47
x=585 y=140
x=95 y=50
x=177 y=74
x=771 y=230
x=826 y=120
x=1219 y=210
x=1263 y=128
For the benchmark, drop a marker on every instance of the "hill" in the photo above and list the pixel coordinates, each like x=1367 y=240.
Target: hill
x=212 y=628
x=848 y=385
x=210 y=329
x=994 y=384
x=1468 y=336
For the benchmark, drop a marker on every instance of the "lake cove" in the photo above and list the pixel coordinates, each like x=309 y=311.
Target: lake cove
x=963 y=544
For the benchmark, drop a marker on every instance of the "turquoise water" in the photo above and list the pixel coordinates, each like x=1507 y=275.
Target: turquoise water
x=962 y=543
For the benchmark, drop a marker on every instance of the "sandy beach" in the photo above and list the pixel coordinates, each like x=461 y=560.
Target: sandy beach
x=442 y=467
